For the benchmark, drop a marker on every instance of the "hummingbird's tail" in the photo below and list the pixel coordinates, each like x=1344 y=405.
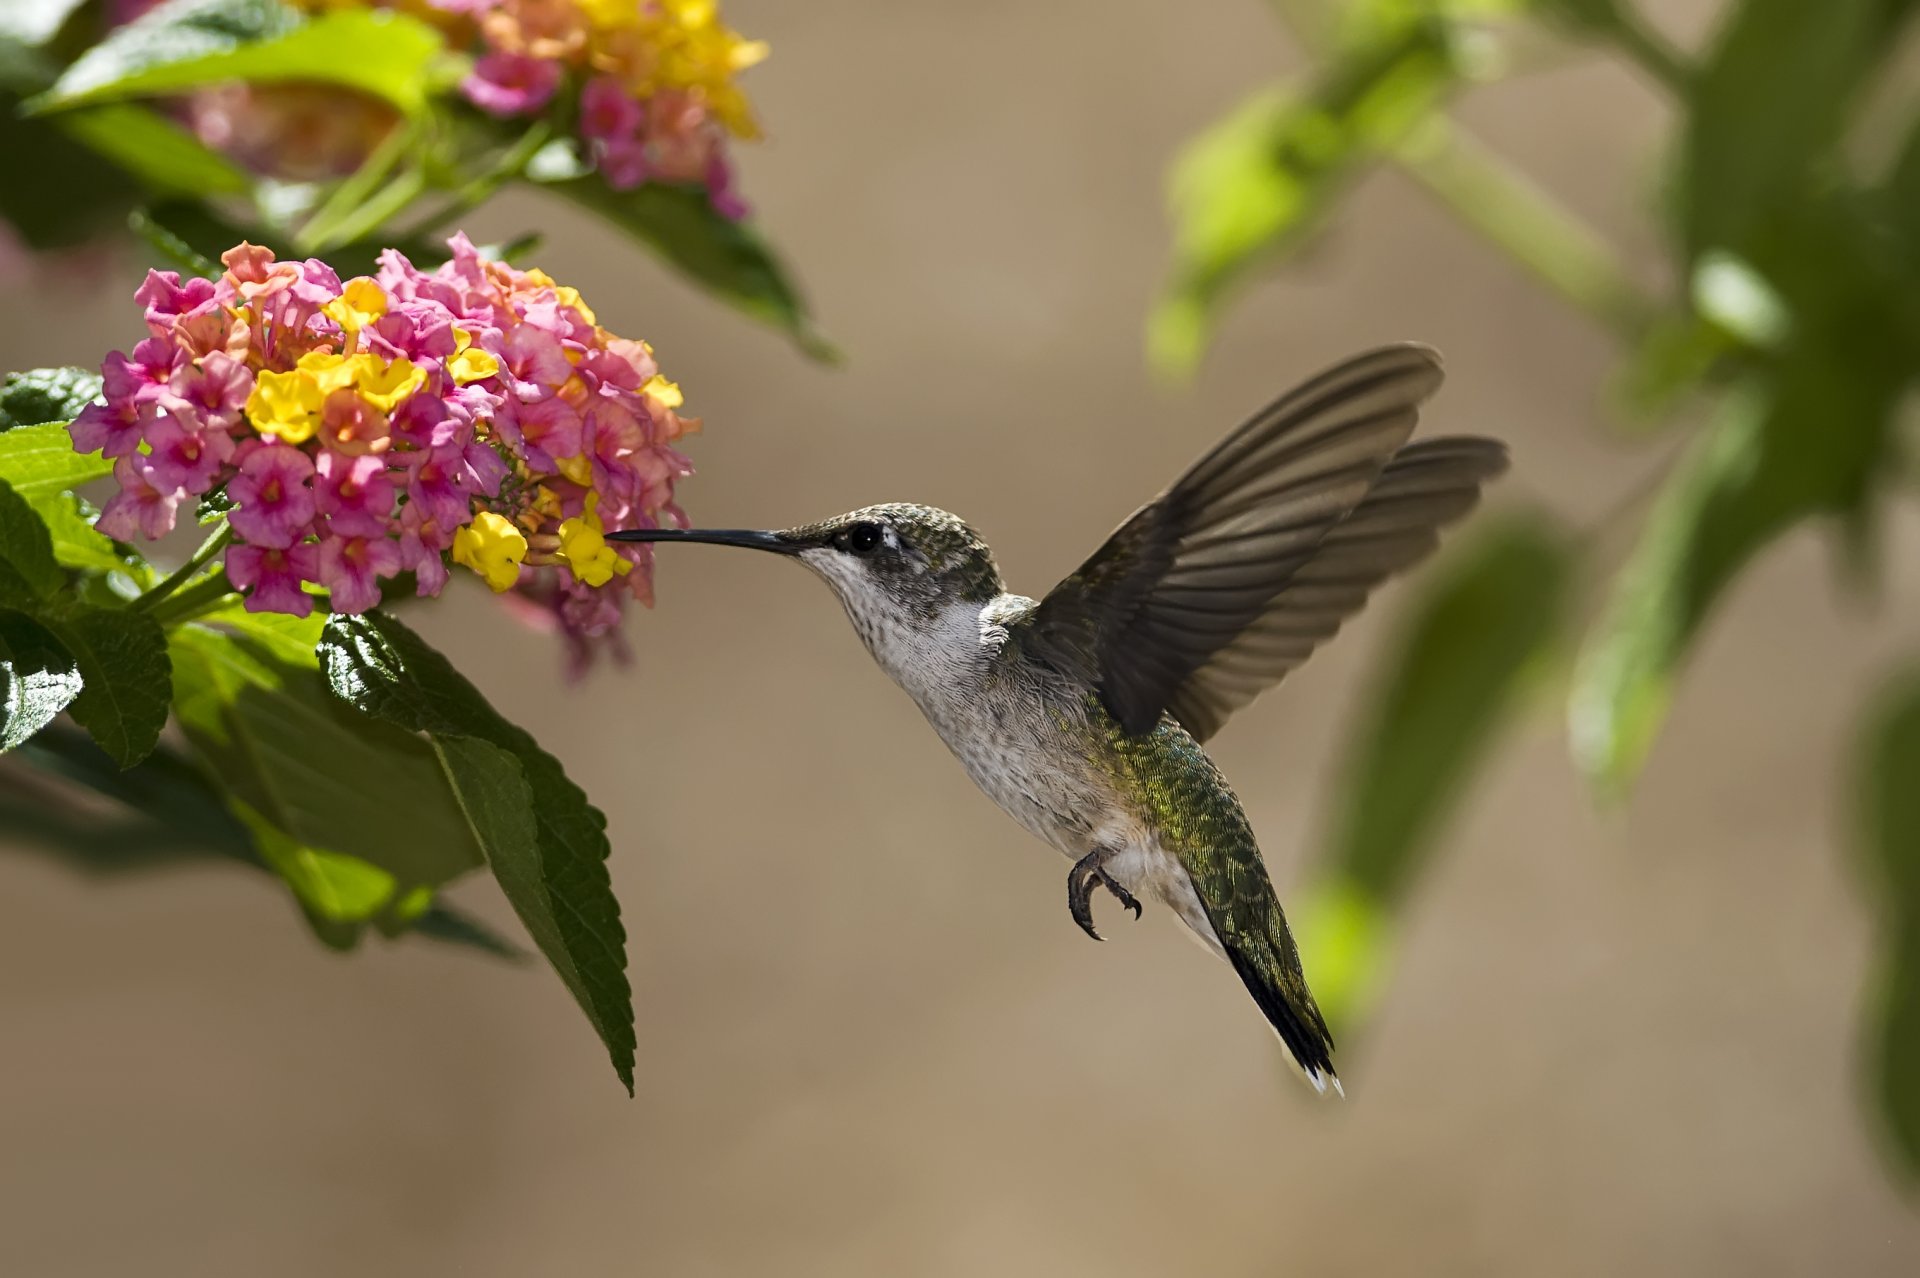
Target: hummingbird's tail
x=1268 y=961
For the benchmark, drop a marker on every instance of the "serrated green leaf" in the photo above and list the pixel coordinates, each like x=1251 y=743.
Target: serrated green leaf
x=75 y=542
x=122 y=655
x=547 y=845
x=46 y=395
x=25 y=545
x=166 y=158
x=1252 y=188
x=37 y=678
x=329 y=779
x=39 y=461
x=190 y=43
x=1488 y=618
x=727 y=258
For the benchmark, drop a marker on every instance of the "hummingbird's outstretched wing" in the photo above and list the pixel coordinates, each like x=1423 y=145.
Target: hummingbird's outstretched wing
x=1216 y=589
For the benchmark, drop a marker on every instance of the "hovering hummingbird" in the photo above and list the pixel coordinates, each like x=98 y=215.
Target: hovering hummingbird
x=1082 y=714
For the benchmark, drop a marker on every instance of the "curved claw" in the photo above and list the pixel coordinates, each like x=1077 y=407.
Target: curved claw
x=1087 y=871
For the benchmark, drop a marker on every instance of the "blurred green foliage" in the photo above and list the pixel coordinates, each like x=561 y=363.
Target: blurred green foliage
x=1791 y=336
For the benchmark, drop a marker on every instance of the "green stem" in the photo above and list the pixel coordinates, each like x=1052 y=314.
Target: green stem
x=343 y=207
x=212 y=546
x=1519 y=218
x=202 y=597
x=1646 y=48
x=480 y=189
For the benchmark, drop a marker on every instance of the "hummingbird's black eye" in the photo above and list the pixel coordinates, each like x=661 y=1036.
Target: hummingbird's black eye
x=864 y=538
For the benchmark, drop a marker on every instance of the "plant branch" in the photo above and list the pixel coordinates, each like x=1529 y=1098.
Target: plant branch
x=1519 y=218
x=1645 y=48
x=478 y=190
x=212 y=546
x=203 y=596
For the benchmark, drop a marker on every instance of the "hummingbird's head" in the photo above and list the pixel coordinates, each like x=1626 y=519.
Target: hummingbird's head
x=898 y=569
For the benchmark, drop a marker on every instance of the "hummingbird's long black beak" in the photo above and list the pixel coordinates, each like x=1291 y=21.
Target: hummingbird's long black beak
x=754 y=539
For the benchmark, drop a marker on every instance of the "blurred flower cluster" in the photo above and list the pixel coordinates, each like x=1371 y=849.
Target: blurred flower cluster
x=655 y=81
x=476 y=413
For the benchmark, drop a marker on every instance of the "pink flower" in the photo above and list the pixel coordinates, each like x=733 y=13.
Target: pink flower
x=422 y=546
x=351 y=568
x=506 y=84
x=185 y=455
x=272 y=495
x=142 y=505
x=166 y=299
x=110 y=429
x=607 y=112
x=272 y=576
x=214 y=390
x=354 y=493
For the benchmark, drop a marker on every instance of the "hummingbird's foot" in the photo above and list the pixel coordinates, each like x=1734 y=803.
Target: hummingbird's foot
x=1089 y=870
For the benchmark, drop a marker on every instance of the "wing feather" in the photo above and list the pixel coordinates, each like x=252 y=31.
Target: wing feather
x=1216 y=589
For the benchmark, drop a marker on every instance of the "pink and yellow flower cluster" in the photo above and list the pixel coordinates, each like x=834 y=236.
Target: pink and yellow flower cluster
x=657 y=98
x=475 y=413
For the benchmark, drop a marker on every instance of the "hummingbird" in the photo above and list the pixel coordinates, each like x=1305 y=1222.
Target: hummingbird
x=1084 y=714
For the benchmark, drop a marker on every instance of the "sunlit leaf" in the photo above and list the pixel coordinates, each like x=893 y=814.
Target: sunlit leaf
x=727 y=258
x=185 y=44
x=39 y=460
x=1250 y=189
x=1489 y=615
x=547 y=845
x=46 y=395
x=38 y=678
x=34 y=22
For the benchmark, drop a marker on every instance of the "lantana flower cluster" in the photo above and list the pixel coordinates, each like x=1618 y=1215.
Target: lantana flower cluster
x=392 y=423
x=655 y=79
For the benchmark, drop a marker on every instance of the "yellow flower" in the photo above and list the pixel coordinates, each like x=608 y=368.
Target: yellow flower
x=586 y=550
x=663 y=392
x=385 y=383
x=569 y=296
x=472 y=365
x=578 y=468
x=286 y=405
x=360 y=303
x=492 y=547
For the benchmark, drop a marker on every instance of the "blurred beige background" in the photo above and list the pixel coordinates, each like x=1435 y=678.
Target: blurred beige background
x=871 y=1041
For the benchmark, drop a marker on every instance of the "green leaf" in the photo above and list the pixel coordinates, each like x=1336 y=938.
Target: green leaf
x=1804 y=439
x=91 y=197
x=1768 y=108
x=1252 y=188
x=42 y=467
x=175 y=816
x=25 y=546
x=166 y=158
x=39 y=460
x=190 y=43
x=333 y=782
x=1887 y=784
x=547 y=845
x=122 y=655
x=37 y=678
x=34 y=22
x=729 y=259
x=1486 y=621
x=46 y=395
